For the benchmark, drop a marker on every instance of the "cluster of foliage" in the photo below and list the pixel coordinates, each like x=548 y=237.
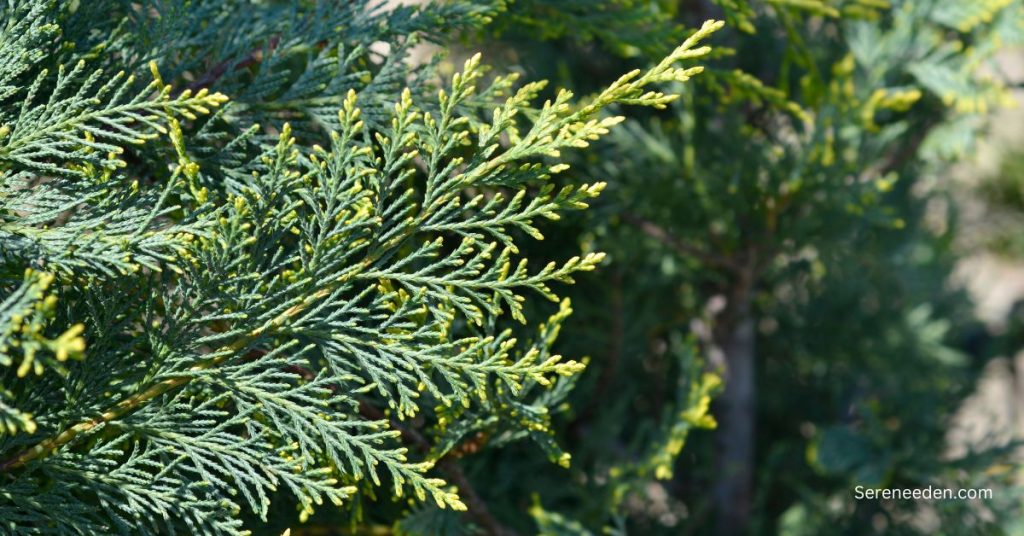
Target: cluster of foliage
x=258 y=257
x=285 y=272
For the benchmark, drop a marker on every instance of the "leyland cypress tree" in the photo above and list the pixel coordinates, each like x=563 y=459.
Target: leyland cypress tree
x=253 y=254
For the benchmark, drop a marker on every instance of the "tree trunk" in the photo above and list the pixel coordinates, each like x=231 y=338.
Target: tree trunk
x=733 y=492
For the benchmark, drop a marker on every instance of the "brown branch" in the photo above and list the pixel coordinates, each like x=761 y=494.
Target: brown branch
x=476 y=507
x=684 y=249
x=906 y=152
x=211 y=76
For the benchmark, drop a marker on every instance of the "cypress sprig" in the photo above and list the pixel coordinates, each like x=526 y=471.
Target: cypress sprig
x=248 y=301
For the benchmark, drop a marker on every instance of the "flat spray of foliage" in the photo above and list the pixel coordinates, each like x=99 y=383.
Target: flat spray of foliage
x=199 y=314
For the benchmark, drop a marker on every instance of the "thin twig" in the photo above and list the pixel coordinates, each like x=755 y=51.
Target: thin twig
x=685 y=249
x=476 y=507
x=215 y=73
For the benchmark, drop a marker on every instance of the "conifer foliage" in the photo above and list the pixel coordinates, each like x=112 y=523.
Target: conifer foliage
x=246 y=253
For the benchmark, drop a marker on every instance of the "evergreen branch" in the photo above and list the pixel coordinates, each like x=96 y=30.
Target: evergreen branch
x=476 y=507
x=557 y=127
x=75 y=129
x=331 y=260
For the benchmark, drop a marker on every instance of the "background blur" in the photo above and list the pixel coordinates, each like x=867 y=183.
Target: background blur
x=830 y=220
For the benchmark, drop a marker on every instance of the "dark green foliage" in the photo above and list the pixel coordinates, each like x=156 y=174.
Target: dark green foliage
x=252 y=279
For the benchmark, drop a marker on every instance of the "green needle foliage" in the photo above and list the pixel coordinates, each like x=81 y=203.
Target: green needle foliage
x=202 y=316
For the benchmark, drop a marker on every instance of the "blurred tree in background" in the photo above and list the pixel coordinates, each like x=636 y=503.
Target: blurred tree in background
x=785 y=223
x=261 y=326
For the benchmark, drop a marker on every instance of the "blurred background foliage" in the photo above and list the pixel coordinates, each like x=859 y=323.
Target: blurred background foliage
x=790 y=224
